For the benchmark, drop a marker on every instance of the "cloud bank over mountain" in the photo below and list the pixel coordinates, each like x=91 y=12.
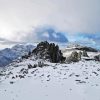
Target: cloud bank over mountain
x=87 y=39
x=46 y=33
x=69 y=17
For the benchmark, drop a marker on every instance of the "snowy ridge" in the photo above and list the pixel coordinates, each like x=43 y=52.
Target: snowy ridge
x=75 y=81
x=9 y=54
x=37 y=79
x=79 y=48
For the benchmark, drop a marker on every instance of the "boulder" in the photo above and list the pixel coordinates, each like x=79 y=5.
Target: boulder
x=84 y=54
x=97 y=58
x=73 y=58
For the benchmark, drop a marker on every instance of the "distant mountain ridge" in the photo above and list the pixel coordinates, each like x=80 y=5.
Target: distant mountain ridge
x=81 y=47
x=9 y=54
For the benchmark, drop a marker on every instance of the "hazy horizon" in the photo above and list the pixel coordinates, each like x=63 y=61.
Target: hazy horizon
x=62 y=21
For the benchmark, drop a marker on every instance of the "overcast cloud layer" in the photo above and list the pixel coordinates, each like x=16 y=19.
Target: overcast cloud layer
x=71 y=17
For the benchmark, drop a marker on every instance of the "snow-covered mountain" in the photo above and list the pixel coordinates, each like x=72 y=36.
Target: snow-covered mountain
x=9 y=54
x=38 y=79
x=30 y=80
x=80 y=47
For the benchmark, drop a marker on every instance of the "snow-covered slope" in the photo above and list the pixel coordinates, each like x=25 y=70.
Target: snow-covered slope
x=9 y=54
x=75 y=81
x=38 y=79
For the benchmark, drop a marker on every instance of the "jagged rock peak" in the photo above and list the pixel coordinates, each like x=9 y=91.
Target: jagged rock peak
x=48 y=51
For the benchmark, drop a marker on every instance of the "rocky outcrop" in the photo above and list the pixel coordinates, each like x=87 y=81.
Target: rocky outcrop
x=84 y=54
x=79 y=55
x=97 y=58
x=48 y=51
x=74 y=57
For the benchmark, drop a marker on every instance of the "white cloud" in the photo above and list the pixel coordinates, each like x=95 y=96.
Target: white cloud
x=45 y=35
x=19 y=16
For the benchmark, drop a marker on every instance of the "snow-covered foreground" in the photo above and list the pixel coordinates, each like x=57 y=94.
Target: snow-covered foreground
x=75 y=81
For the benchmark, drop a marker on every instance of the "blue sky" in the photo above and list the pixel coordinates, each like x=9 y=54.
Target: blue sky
x=87 y=39
x=71 y=20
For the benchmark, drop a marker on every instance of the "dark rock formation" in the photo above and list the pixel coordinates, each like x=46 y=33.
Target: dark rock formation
x=48 y=51
x=79 y=55
x=73 y=58
x=84 y=54
x=88 y=49
x=97 y=58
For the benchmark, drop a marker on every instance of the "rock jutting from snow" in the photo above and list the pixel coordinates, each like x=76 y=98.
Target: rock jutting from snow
x=74 y=57
x=84 y=54
x=97 y=58
x=79 y=55
x=48 y=51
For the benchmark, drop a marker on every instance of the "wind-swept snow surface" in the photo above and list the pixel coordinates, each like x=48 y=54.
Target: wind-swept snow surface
x=75 y=81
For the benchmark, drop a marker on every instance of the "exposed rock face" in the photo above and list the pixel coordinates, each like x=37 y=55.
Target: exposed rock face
x=84 y=54
x=97 y=58
x=48 y=51
x=79 y=55
x=73 y=58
